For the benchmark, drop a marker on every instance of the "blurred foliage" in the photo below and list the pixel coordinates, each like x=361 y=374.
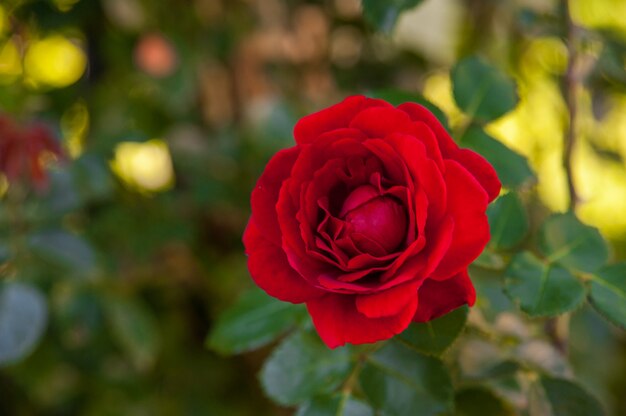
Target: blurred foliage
x=167 y=111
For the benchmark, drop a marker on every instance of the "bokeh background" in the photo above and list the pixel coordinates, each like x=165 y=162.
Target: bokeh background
x=167 y=112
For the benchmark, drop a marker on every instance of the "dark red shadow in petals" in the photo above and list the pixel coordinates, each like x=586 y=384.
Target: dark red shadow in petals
x=292 y=243
x=467 y=202
x=343 y=133
x=388 y=302
x=425 y=134
x=309 y=128
x=438 y=298
x=420 y=113
x=482 y=171
x=393 y=165
x=269 y=268
x=338 y=321
x=378 y=122
x=424 y=172
x=420 y=267
x=265 y=193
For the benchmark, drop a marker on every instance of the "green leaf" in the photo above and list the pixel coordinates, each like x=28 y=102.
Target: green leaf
x=508 y=222
x=135 y=329
x=540 y=289
x=512 y=168
x=384 y=14
x=339 y=405
x=92 y=177
x=489 y=260
x=564 y=239
x=436 y=336
x=63 y=249
x=478 y=401
x=608 y=293
x=302 y=367
x=560 y=397
x=255 y=320
x=503 y=369
x=482 y=91
x=400 y=381
x=23 y=317
x=397 y=97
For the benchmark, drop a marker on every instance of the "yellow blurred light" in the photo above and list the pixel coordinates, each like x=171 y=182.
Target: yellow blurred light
x=438 y=90
x=535 y=129
x=10 y=62
x=602 y=189
x=54 y=61
x=65 y=5
x=601 y=182
x=600 y=14
x=547 y=54
x=611 y=132
x=74 y=126
x=144 y=166
x=4 y=185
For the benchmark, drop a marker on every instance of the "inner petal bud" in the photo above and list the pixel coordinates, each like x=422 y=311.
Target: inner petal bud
x=382 y=219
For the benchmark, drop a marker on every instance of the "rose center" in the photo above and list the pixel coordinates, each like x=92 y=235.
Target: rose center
x=379 y=218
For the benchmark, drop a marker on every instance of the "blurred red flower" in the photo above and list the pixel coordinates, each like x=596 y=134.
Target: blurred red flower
x=23 y=151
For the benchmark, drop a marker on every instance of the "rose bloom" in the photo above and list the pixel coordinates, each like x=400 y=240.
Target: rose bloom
x=23 y=151
x=371 y=219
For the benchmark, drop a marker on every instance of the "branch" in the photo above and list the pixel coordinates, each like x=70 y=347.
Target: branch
x=571 y=89
x=557 y=329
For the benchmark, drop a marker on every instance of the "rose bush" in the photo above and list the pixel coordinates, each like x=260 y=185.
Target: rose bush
x=372 y=219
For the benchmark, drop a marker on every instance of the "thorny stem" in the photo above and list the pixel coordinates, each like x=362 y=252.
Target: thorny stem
x=571 y=89
x=557 y=329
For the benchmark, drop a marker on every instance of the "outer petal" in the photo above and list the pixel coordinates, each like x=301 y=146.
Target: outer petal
x=481 y=169
x=389 y=302
x=439 y=298
x=337 y=321
x=381 y=121
x=337 y=116
x=420 y=113
x=467 y=202
x=265 y=193
x=473 y=162
x=270 y=270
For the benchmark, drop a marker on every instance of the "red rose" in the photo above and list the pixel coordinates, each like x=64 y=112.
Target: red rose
x=371 y=219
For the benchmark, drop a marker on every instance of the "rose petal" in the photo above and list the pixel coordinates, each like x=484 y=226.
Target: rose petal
x=420 y=113
x=467 y=202
x=388 y=302
x=265 y=193
x=482 y=171
x=424 y=171
x=270 y=270
x=338 y=322
x=379 y=122
x=293 y=245
x=343 y=133
x=428 y=138
x=439 y=298
x=309 y=128
x=423 y=264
